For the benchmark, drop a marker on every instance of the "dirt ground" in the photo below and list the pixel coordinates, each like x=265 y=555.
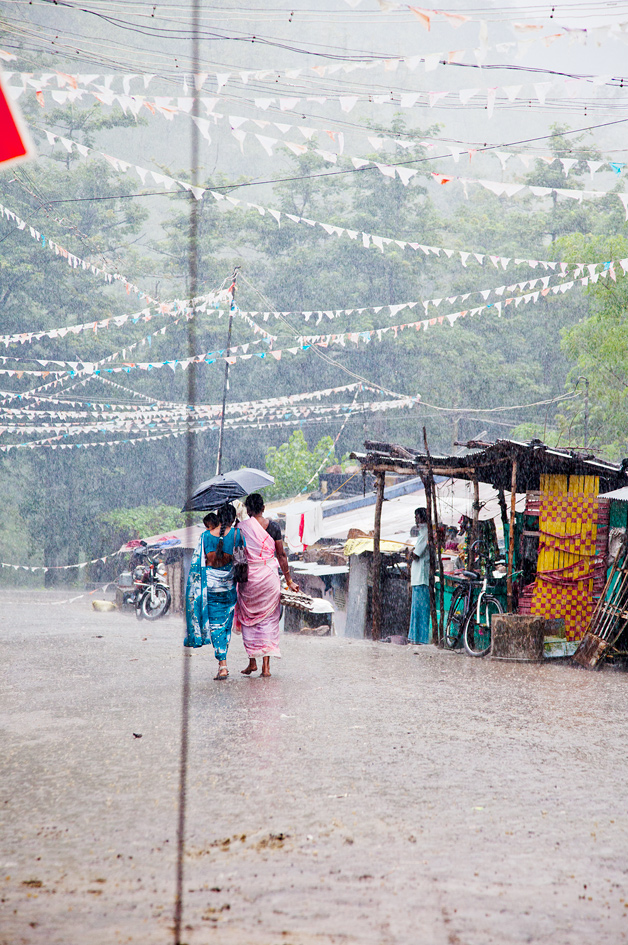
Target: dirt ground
x=366 y=793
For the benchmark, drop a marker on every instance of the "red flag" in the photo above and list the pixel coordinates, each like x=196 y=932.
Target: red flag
x=15 y=143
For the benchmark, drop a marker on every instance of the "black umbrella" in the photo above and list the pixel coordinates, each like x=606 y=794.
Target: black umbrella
x=225 y=488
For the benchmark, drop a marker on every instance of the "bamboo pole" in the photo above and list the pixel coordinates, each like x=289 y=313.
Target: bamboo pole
x=438 y=629
x=376 y=631
x=503 y=508
x=427 y=479
x=475 y=521
x=441 y=572
x=511 y=535
x=430 y=542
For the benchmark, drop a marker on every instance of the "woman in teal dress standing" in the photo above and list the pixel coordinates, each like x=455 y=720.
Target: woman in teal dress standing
x=210 y=596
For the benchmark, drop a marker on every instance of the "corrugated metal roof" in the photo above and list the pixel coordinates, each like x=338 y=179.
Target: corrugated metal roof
x=455 y=499
x=493 y=464
x=186 y=538
x=318 y=570
x=618 y=495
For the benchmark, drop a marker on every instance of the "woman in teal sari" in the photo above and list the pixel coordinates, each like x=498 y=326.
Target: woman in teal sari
x=210 y=596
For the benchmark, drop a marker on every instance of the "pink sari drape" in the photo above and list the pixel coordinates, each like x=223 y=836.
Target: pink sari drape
x=258 y=607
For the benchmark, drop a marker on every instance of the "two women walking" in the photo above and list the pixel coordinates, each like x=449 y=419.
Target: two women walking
x=210 y=596
x=212 y=600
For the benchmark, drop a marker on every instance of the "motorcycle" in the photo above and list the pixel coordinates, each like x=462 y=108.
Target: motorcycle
x=150 y=593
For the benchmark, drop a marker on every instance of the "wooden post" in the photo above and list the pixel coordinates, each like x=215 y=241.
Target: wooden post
x=511 y=534
x=475 y=522
x=438 y=628
x=430 y=541
x=376 y=632
x=441 y=572
x=503 y=508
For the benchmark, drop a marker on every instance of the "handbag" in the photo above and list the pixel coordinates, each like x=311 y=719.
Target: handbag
x=240 y=564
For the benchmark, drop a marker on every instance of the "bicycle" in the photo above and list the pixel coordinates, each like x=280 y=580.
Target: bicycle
x=469 y=617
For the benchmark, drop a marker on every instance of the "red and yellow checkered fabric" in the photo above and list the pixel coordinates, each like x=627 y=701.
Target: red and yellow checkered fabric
x=567 y=548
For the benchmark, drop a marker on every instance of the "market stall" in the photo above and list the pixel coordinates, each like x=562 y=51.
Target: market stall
x=556 y=545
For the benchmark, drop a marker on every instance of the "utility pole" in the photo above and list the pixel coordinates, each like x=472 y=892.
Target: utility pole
x=232 y=289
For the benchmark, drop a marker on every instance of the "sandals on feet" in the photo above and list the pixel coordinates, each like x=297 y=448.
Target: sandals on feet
x=222 y=674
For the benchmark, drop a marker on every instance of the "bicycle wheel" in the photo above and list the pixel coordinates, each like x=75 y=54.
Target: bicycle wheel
x=477 y=634
x=455 y=620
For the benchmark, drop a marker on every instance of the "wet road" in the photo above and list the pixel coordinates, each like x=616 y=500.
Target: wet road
x=365 y=793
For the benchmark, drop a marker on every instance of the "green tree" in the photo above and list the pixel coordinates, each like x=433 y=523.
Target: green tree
x=293 y=465
x=123 y=525
x=62 y=492
x=597 y=345
x=566 y=215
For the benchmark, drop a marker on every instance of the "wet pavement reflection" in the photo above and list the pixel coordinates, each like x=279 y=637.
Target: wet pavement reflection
x=364 y=793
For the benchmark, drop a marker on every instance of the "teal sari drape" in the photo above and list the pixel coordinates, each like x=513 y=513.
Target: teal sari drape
x=210 y=599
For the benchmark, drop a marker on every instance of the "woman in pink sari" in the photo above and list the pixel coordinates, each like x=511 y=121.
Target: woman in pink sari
x=258 y=607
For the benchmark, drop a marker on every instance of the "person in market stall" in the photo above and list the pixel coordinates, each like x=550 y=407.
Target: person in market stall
x=259 y=607
x=419 y=631
x=210 y=596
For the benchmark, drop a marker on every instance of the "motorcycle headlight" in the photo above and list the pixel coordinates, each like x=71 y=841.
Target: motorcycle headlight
x=161 y=569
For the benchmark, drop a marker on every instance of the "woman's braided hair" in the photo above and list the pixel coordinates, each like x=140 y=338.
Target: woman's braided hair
x=226 y=516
